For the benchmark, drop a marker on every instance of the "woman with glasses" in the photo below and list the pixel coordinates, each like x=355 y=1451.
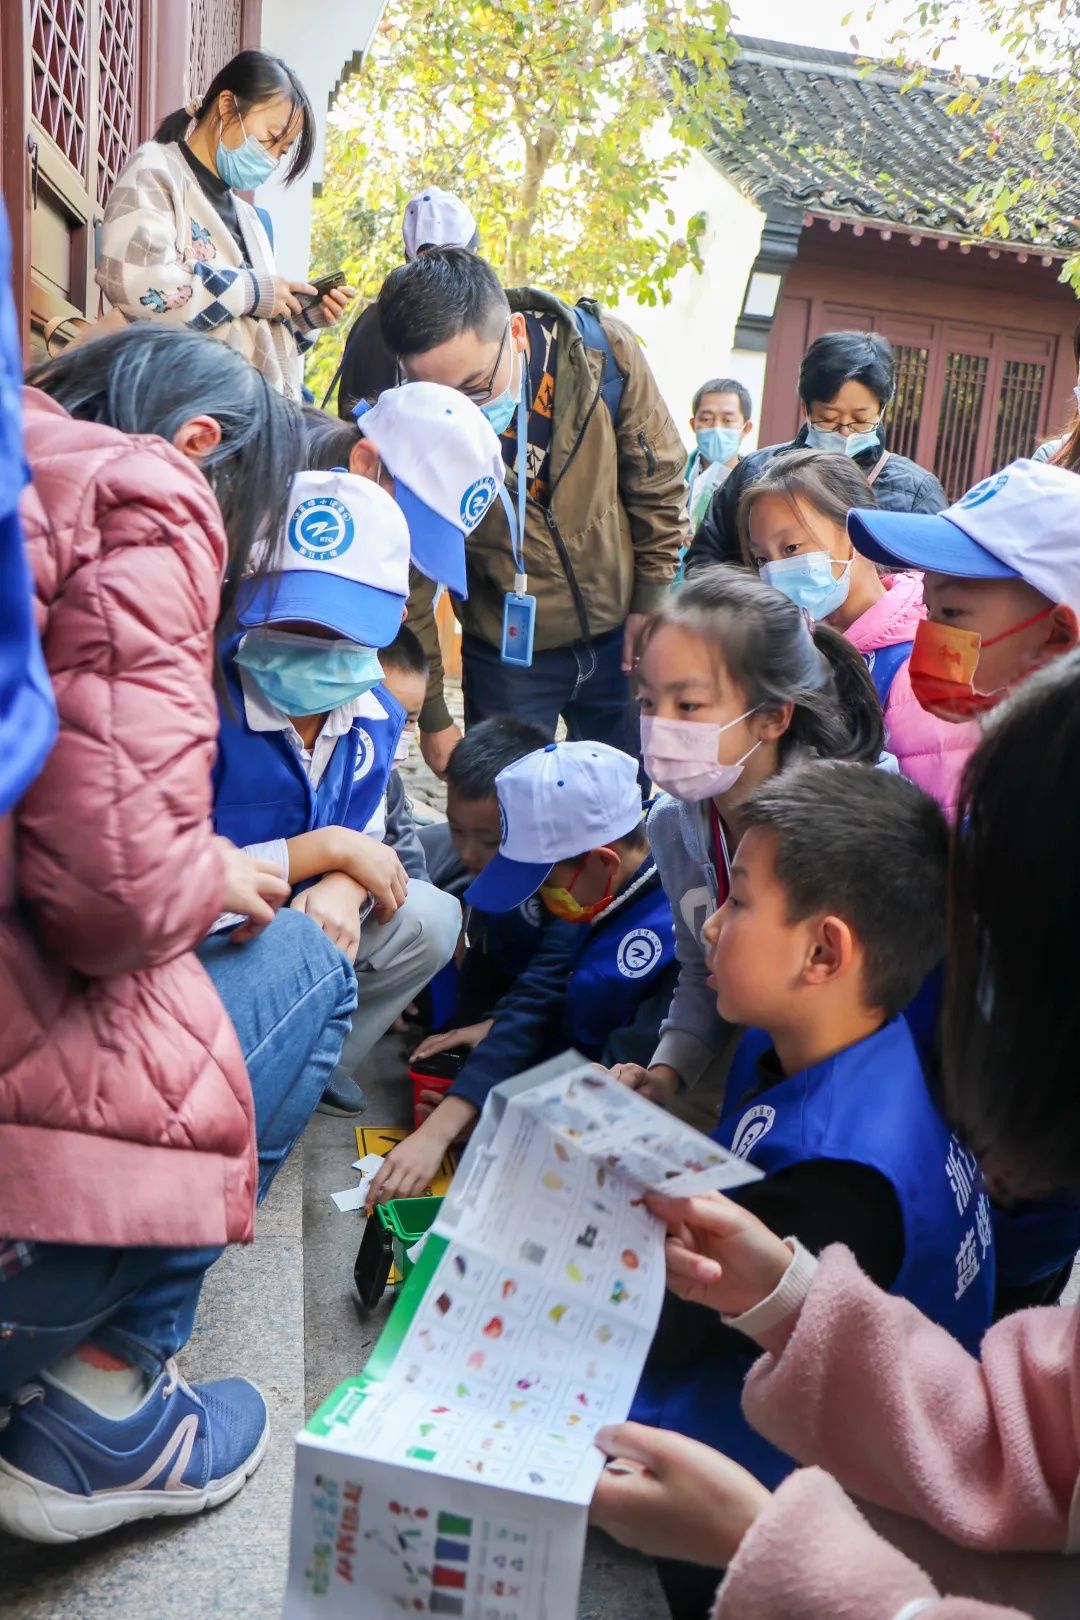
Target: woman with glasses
x=846 y=382
x=180 y=243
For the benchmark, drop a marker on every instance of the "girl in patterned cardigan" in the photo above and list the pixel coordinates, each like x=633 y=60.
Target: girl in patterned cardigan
x=180 y=245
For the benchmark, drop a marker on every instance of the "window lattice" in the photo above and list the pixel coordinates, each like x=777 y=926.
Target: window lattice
x=215 y=37
x=117 y=88
x=59 y=74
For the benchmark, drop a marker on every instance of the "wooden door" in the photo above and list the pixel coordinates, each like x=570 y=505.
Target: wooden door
x=970 y=396
x=82 y=83
x=85 y=86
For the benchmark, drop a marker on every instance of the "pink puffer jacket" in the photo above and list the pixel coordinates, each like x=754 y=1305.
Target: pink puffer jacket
x=125 y=1109
x=931 y=752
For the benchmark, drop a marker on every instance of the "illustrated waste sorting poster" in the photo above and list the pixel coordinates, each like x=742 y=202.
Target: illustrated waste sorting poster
x=453 y=1476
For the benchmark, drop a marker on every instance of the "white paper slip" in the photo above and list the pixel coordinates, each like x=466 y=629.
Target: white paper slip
x=351 y=1197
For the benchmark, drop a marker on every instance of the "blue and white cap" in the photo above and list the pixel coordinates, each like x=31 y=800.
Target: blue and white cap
x=436 y=218
x=341 y=562
x=1020 y=523
x=447 y=466
x=559 y=802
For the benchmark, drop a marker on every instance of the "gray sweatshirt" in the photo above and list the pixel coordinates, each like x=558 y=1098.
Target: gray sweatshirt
x=693 y=1033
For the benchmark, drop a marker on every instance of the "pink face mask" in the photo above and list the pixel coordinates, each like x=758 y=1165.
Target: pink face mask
x=680 y=757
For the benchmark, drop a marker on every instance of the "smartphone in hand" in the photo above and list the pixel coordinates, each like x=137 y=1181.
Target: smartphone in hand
x=323 y=285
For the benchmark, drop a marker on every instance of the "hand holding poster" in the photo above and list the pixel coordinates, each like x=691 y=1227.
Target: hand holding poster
x=453 y=1476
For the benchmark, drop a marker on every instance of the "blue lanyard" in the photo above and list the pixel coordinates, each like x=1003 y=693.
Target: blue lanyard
x=516 y=520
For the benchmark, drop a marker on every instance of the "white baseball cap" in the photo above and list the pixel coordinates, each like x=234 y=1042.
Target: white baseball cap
x=1020 y=523
x=342 y=561
x=559 y=802
x=447 y=466
x=436 y=218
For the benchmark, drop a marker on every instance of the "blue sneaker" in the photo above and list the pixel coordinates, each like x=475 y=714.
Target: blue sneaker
x=67 y=1472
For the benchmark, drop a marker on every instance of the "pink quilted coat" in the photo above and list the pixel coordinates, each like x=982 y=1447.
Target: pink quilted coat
x=970 y=1469
x=931 y=752
x=125 y=1109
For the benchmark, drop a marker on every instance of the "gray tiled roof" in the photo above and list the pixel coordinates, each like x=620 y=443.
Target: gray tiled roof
x=820 y=133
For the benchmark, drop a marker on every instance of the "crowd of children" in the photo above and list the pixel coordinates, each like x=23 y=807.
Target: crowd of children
x=834 y=933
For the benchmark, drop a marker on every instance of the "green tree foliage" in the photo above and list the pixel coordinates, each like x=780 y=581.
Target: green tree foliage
x=555 y=120
x=1019 y=127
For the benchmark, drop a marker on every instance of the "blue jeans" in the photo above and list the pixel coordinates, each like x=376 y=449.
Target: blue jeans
x=289 y=994
x=583 y=683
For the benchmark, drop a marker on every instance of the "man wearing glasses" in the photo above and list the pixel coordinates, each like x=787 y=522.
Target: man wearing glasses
x=595 y=464
x=846 y=382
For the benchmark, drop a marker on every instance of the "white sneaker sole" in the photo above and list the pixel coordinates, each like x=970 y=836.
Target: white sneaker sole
x=38 y=1512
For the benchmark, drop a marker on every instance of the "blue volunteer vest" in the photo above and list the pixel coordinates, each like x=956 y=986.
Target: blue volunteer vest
x=868 y=1105
x=510 y=938
x=615 y=967
x=261 y=790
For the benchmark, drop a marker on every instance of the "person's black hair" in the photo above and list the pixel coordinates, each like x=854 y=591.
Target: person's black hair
x=831 y=484
x=151 y=378
x=1011 y=1025
x=768 y=649
x=839 y=357
x=429 y=247
x=870 y=848
x=252 y=78
x=726 y=385
x=488 y=748
x=637 y=839
x=436 y=297
x=328 y=441
x=405 y=654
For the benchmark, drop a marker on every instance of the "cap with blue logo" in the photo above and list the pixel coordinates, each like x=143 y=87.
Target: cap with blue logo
x=447 y=466
x=1020 y=523
x=436 y=218
x=557 y=803
x=342 y=561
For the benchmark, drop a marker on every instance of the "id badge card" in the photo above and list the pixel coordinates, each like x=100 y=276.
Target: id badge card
x=519 y=624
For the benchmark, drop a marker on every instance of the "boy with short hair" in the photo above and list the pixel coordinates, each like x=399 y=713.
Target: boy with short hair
x=835 y=916
x=602 y=977
x=307 y=739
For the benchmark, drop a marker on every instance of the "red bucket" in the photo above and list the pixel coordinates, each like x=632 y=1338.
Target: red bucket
x=422 y=1081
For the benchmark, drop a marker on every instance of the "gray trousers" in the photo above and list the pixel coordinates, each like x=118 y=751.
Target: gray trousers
x=396 y=960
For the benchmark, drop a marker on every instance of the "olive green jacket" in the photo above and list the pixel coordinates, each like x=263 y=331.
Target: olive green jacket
x=607 y=543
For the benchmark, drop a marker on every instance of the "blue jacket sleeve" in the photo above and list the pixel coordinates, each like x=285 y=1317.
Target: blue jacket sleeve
x=527 y=1018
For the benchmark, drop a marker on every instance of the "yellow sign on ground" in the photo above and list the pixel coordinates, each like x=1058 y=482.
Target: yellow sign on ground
x=380 y=1139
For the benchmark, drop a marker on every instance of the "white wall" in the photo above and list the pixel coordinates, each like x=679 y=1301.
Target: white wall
x=317 y=45
x=690 y=339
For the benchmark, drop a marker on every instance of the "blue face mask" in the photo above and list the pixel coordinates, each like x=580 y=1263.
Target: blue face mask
x=301 y=675
x=500 y=411
x=245 y=167
x=719 y=444
x=809 y=582
x=841 y=444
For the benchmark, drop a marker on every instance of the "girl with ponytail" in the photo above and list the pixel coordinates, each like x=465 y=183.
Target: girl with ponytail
x=180 y=243
x=735 y=685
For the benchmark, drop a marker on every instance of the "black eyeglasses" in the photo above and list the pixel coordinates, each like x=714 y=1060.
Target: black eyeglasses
x=480 y=396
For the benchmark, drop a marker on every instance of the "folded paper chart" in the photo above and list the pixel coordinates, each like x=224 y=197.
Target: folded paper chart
x=453 y=1476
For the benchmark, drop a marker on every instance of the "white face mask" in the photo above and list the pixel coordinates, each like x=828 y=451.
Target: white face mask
x=404 y=746
x=680 y=757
